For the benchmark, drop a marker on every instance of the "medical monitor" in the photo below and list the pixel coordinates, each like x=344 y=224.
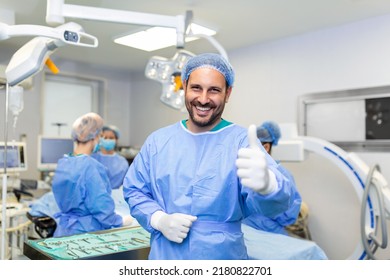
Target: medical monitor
x=51 y=149
x=16 y=157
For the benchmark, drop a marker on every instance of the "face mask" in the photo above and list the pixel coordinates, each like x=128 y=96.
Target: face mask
x=96 y=148
x=107 y=144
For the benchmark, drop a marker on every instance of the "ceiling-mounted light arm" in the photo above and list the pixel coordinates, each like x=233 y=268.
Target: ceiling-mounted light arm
x=182 y=29
x=213 y=41
x=10 y=31
x=57 y=10
x=70 y=33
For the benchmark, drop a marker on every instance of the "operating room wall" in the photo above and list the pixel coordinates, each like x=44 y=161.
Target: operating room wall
x=269 y=79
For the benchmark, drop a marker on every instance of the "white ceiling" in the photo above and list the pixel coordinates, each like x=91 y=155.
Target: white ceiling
x=239 y=23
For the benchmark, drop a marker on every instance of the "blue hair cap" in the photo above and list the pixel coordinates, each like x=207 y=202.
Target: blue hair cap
x=87 y=127
x=269 y=132
x=112 y=128
x=209 y=60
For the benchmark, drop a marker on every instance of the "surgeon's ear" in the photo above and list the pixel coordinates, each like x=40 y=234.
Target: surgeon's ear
x=228 y=92
x=267 y=147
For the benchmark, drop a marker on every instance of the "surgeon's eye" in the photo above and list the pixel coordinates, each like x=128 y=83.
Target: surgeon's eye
x=215 y=90
x=196 y=88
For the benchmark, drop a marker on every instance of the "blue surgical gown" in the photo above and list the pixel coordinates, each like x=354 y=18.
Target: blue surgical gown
x=46 y=205
x=177 y=171
x=82 y=191
x=116 y=166
x=278 y=223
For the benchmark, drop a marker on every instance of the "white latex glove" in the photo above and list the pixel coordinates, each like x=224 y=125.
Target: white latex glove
x=252 y=166
x=127 y=220
x=174 y=227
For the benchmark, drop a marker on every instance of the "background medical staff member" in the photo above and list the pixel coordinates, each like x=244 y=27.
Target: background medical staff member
x=194 y=181
x=81 y=186
x=259 y=231
x=269 y=134
x=116 y=164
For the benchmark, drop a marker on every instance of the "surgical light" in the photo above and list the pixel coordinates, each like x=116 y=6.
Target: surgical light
x=34 y=55
x=158 y=37
x=168 y=72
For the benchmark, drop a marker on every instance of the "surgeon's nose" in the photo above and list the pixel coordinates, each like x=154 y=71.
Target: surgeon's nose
x=203 y=97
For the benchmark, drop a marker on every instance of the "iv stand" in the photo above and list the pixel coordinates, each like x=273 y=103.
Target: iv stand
x=4 y=192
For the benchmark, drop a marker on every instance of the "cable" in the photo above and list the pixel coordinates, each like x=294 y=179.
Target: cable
x=18 y=227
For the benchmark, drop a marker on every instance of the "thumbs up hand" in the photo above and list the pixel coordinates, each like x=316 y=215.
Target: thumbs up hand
x=252 y=166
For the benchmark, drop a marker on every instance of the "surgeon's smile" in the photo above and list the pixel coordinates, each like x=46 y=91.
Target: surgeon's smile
x=203 y=111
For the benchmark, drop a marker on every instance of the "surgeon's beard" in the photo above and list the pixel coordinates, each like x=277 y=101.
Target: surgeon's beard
x=211 y=121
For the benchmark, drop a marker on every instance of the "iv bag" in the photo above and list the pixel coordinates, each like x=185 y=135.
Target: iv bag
x=16 y=104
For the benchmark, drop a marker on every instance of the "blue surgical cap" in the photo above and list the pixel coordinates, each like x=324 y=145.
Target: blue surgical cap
x=112 y=128
x=269 y=132
x=87 y=127
x=209 y=60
